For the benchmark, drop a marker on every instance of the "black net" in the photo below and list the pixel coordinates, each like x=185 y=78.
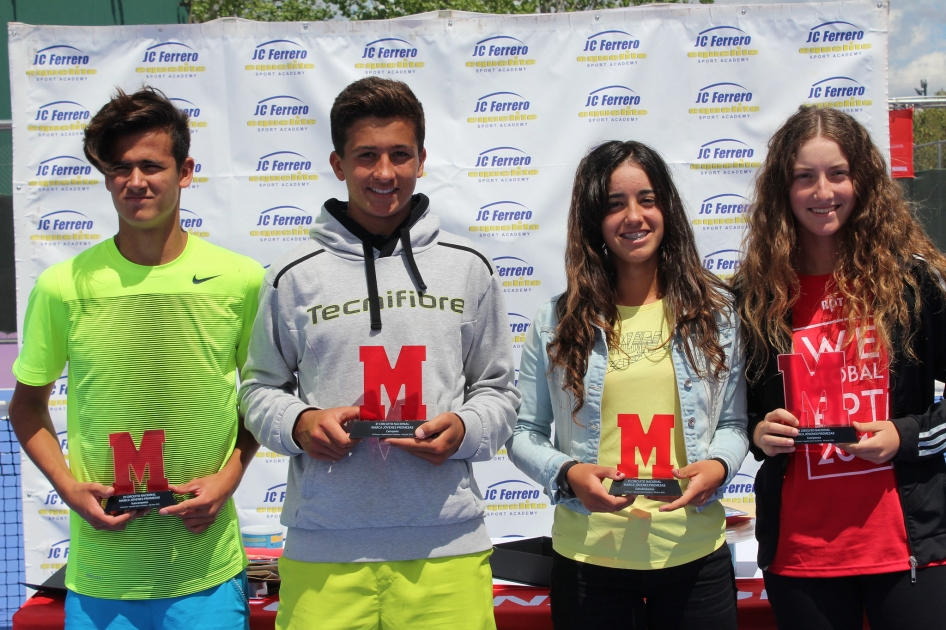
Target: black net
x=12 y=592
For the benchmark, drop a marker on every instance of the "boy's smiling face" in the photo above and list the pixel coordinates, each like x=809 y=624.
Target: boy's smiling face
x=380 y=167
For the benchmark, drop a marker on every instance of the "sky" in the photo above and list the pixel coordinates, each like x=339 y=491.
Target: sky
x=917 y=43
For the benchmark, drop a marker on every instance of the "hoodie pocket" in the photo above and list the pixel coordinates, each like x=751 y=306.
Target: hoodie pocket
x=382 y=486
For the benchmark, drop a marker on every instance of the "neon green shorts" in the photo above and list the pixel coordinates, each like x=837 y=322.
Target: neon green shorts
x=454 y=593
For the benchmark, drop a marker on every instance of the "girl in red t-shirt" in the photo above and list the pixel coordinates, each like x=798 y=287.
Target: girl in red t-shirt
x=839 y=274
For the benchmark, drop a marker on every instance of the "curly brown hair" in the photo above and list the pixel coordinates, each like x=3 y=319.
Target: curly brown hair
x=879 y=246
x=693 y=295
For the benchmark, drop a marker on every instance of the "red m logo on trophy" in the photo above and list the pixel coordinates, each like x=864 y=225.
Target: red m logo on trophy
x=149 y=456
x=815 y=397
x=407 y=373
x=647 y=443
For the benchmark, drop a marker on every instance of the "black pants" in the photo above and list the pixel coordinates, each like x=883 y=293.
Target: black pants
x=698 y=595
x=890 y=600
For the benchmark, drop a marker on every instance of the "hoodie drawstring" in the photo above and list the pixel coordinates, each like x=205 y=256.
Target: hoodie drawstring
x=372 y=278
x=385 y=247
x=406 y=245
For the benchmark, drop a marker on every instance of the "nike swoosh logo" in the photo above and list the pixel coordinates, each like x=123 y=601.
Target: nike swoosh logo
x=198 y=281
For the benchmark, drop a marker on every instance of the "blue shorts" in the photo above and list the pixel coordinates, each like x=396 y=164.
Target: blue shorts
x=223 y=607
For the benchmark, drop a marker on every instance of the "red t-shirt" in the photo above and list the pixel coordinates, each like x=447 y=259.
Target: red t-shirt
x=841 y=514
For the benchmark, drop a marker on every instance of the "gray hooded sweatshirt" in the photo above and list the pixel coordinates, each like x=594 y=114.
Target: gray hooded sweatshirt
x=404 y=327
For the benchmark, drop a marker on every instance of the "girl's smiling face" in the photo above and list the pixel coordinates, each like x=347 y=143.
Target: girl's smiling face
x=634 y=226
x=822 y=191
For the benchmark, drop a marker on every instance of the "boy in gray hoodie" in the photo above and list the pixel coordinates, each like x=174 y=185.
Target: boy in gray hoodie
x=382 y=316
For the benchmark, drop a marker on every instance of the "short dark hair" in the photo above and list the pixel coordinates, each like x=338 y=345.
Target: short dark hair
x=374 y=97
x=128 y=114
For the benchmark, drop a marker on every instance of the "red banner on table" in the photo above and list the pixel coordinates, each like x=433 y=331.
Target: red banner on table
x=901 y=143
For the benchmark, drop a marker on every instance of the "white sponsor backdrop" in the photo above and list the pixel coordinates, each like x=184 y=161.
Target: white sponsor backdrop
x=512 y=103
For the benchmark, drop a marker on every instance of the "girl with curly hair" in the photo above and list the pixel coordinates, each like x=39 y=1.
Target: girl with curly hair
x=639 y=367
x=835 y=263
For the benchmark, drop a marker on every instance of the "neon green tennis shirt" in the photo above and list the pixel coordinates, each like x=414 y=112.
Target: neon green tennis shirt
x=148 y=348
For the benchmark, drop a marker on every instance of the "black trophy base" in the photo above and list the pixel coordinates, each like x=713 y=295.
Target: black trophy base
x=825 y=435
x=121 y=503
x=646 y=487
x=384 y=428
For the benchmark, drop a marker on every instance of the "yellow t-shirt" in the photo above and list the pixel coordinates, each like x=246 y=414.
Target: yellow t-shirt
x=642 y=435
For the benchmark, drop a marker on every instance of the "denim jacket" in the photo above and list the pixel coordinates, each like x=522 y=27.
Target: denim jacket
x=713 y=411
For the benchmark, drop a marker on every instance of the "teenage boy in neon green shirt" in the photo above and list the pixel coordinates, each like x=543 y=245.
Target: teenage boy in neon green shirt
x=153 y=325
